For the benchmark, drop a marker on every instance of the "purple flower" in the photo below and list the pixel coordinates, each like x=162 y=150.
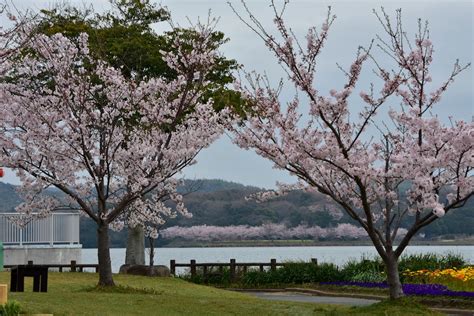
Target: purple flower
x=408 y=289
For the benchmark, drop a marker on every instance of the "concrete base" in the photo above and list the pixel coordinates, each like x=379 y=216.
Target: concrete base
x=57 y=254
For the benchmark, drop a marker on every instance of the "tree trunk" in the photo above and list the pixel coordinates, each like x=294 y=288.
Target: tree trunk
x=135 y=253
x=105 y=265
x=393 y=277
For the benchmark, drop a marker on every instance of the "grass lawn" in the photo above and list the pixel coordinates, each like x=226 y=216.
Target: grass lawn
x=75 y=294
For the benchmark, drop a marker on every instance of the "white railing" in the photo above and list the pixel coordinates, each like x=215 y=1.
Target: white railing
x=58 y=228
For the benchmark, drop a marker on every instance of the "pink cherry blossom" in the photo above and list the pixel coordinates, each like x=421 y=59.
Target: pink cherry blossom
x=266 y=231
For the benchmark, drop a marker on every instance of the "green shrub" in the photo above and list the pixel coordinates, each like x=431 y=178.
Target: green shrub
x=294 y=273
x=213 y=276
x=431 y=261
x=222 y=278
x=369 y=276
x=354 y=269
x=11 y=308
x=327 y=272
x=257 y=279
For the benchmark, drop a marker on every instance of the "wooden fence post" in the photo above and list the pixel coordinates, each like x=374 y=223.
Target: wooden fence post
x=193 y=267
x=173 y=267
x=314 y=260
x=232 y=269
x=261 y=268
x=30 y=262
x=73 y=265
x=273 y=263
x=3 y=294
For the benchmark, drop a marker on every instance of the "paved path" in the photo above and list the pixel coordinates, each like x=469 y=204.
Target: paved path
x=301 y=297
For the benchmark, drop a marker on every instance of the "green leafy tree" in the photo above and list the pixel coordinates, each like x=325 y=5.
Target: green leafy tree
x=124 y=37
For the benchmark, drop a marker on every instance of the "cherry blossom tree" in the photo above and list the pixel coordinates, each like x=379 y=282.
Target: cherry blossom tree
x=124 y=37
x=335 y=152
x=76 y=123
x=13 y=37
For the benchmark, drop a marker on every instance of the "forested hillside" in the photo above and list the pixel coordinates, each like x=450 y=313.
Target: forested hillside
x=222 y=203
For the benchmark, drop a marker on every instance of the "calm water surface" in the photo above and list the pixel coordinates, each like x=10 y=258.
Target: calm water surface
x=335 y=254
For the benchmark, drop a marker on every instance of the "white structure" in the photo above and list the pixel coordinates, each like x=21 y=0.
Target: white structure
x=58 y=228
x=50 y=240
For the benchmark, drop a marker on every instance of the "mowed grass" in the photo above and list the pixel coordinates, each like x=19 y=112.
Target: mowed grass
x=75 y=294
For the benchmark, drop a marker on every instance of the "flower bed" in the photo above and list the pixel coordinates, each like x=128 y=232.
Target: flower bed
x=465 y=274
x=408 y=289
x=459 y=279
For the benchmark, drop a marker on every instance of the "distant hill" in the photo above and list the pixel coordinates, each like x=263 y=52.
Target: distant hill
x=8 y=197
x=213 y=185
x=223 y=203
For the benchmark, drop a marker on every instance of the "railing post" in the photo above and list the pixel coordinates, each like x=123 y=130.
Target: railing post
x=261 y=268
x=232 y=269
x=72 y=232
x=76 y=222
x=51 y=230
x=314 y=260
x=173 y=267
x=30 y=262
x=273 y=263
x=73 y=265
x=21 y=236
x=193 y=267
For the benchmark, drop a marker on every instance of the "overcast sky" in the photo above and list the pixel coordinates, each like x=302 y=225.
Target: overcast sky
x=452 y=28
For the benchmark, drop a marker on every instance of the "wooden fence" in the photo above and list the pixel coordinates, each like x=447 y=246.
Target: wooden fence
x=73 y=266
x=233 y=266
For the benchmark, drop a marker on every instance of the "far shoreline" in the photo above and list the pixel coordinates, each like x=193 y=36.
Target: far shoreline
x=310 y=243
x=303 y=243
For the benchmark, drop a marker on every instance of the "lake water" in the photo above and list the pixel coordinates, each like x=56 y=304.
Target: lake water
x=335 y=254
